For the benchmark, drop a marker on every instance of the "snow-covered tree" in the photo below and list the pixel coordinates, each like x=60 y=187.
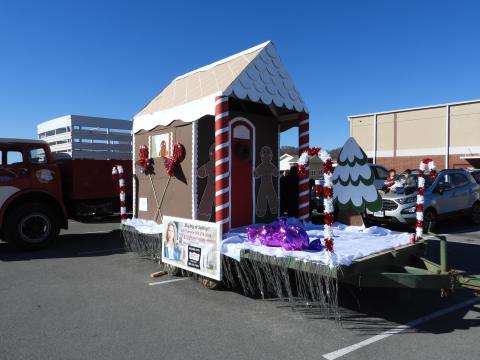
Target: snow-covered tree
x=354 y=181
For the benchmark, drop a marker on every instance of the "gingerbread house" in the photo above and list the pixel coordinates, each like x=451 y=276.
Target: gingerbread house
x=228 y=116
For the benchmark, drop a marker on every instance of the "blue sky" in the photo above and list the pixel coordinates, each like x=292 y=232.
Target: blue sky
x=109 y=58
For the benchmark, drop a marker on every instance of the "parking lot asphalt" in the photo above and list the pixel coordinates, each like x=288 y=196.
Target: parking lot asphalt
x=85 y=298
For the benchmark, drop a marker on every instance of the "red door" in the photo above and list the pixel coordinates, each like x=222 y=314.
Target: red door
x=241 y=177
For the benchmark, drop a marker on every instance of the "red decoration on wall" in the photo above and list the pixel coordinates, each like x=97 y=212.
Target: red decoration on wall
x=144 y=163
x=170 y=163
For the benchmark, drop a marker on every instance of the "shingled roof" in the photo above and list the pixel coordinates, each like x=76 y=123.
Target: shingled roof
x=256 y=74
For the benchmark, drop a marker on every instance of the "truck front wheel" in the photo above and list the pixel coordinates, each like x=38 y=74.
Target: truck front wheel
x=32 y=226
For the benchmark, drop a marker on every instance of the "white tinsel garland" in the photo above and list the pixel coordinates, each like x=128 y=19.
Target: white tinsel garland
x=424 y=164
x=328 y=186
x=421 y=182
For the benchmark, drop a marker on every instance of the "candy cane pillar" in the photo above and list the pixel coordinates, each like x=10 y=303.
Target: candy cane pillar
x=117 y=173
x=222 y=163
x=303 y=179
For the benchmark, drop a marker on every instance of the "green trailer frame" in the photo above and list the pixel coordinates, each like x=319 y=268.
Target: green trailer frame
x=402 y=267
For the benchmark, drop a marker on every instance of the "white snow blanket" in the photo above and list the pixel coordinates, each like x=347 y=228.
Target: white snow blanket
x=350 y=243
x=145 y=226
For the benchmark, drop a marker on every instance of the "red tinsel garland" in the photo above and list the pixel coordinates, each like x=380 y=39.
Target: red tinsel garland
x=329 y=245
x=302 y=170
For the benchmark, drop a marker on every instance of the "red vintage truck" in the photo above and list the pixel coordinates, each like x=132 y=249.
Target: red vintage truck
x=38 y=194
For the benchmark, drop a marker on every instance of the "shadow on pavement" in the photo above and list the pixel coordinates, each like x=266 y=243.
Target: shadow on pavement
x=68 y=245
x=461 y=226
x=372 y=311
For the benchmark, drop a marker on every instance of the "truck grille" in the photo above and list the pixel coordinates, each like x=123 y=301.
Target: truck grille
x=389 y=205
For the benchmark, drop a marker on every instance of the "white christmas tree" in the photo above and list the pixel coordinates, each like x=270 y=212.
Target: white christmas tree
x=353 y=180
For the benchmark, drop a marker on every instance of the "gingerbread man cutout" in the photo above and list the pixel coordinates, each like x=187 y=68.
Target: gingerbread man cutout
x=207 y=170
x=163 y=149
x=267 y=195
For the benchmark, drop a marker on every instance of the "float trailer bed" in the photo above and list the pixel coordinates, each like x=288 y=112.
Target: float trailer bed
x=402 y=267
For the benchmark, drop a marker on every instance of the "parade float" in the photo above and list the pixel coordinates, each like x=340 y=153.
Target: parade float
x=207 y=197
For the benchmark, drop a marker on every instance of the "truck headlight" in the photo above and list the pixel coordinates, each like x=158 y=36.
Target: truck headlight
x=407 y=200
x=409 y=210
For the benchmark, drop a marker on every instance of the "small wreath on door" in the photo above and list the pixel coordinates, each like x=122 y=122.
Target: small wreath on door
x=242 y=151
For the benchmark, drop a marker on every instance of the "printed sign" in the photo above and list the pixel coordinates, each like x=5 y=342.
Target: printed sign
x=142 y=204
x=192 y=245
x=161 y=145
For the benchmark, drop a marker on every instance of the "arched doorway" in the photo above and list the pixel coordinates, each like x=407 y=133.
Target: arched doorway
x=242 y=164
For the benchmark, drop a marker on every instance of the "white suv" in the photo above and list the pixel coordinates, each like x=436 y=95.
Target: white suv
x=454 y=192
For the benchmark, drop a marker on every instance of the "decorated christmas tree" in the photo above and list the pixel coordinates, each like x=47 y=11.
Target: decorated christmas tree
x=353 y=180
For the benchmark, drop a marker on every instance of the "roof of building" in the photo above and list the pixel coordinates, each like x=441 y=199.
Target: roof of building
x=286 y=156
x=415 y=108
x=256 y=74
x=21 y=141
x=91 y=121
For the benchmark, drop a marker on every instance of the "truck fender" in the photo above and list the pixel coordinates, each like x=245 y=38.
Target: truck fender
x=19 y=197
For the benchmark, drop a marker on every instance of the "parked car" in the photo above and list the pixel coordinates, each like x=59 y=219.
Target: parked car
x=454 y=192
x=380 y=173
x=476 y=175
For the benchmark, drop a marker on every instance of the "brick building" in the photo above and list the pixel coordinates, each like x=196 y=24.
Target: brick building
x=447 y=133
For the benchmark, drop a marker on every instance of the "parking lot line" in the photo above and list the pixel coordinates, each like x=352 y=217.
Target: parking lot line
x=166 y=281
x=396 y=330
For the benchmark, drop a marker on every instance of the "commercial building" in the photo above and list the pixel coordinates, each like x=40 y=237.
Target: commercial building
x=86 y=137
x=447 y=133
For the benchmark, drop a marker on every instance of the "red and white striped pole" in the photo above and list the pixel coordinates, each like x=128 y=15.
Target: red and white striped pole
x=303 y=178
x=117 y=173
x=222 y=163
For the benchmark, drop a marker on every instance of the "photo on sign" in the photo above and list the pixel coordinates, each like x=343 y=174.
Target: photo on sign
x=192 y=245
x=161 y=145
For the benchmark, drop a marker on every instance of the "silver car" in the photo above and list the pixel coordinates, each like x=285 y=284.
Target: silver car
x=454 y=192
x=380 y=173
